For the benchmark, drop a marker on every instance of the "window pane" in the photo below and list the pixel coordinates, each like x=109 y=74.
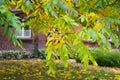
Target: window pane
x=25 y=32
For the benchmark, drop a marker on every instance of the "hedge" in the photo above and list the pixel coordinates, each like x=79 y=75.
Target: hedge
x=105 y=58
x=16 y=54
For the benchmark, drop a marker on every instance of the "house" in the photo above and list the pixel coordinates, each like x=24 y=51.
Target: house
x=28 y=39
x=28 y=42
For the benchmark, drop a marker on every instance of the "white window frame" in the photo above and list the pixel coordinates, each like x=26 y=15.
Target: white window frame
x=22 y=35
x=110 y=39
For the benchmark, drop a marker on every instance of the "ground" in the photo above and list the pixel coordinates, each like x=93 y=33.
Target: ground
x=35 y=69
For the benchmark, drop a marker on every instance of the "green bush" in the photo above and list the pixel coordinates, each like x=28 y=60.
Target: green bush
x=14 y=54
x=41 y=53
x=105 y=58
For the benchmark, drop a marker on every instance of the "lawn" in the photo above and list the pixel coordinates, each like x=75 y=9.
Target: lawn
x=35 y=69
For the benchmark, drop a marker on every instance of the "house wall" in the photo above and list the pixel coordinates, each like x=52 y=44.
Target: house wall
x=28 y=44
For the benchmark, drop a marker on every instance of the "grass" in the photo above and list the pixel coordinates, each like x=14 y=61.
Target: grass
x=36 y=70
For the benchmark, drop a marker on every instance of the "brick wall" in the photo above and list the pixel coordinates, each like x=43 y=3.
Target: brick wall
x=28 y=44
x=5 y=44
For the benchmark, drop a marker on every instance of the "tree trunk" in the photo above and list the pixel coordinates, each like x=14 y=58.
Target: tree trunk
x=36 y=43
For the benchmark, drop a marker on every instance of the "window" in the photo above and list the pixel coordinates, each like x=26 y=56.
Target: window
x=25 y=33
x=110 y=39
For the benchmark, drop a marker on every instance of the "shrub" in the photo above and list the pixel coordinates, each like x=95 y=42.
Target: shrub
x=14 y=54
x=105 y=58
x=41 y=54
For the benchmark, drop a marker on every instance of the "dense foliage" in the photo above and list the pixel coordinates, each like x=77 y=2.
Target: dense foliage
x=105 y=58
x=9 y=21
x=100 y=20
x=36 y=70
x=17 y=54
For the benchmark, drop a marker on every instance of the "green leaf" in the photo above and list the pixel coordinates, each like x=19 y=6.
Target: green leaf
x=92 y=34
x=1 y=21
x=10 y=32
x=103 y=4
x=97 y=4
x=28 y=6
x=115 y=40
x=1 y=2
x=14 y=40
x=108 y=45
x=70 y=21
x=17 y=25
x=5 y=28
x=62 y=6
x=55 y=2
x=93 y=60
x=9 y=17
x=83 y=18
x=49 y=55
x=100 y=3
x=19 y=43
x=114 y=19
x=3 y=9
x=85 y=60
x=53 y=13
x=88 y=9
x=13 y=21
x=102 y=37
x=52 y=67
